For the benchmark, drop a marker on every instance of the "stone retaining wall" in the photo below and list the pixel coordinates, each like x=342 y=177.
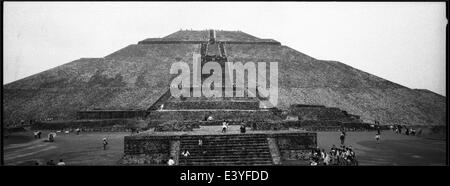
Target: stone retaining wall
x=91 y=125
x=110 y=114
x=245 y=105
x=311 y=125
x=199 y=115
x=156 y=150
x=297 y=146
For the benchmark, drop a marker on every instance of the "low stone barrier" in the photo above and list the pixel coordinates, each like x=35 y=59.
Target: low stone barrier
x=109 y=125
x=296 y=146
x=309 y=125
x=176 y=126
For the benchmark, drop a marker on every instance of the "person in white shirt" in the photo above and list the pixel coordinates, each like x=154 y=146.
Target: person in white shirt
x=61 y=162
x=185 y=153
x=327 y=159
x=171 y=162
x=224 y=127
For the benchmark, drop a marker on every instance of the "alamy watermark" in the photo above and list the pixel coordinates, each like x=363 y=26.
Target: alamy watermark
x=212 y=85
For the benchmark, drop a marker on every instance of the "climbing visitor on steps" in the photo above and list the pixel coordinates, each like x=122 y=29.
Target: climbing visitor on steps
x=224 y=127
x=170 y=162
x=185 y=154
x=242 y=127
x=200 y=146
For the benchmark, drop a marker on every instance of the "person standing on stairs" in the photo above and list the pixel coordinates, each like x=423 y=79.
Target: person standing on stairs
x=200 y=146
x=170 y=162
x=242 y=127
x=185 y=154
x=224 y=127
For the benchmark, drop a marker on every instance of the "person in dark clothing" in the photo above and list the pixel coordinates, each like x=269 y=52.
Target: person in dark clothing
x=200 y=146
x=105 y=143
x=242 y=128
x=51 y=138
x=254 y=126
x=342 y=138
x=51 y=162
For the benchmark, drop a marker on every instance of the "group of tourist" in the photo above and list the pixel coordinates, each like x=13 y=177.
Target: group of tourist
x=343 y=156
x=225 y=124
x=408 y=131
x=51 y=137
x=37 y=134
x=52 y=163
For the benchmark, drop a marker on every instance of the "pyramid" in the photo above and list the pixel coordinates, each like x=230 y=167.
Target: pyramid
x=137 y=77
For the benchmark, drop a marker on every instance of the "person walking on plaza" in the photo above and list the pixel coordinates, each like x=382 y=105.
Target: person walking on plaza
x=51 y=137
x=35 y=134
x=50 y=162
x=342 y=137
x=61 y=162
x=105 y=143
x=377 y=136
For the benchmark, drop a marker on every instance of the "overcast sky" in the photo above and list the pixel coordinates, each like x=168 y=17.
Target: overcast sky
x=400 y=42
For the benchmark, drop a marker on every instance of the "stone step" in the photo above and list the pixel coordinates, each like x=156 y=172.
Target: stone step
x=227 y=137
x=248 y=146
x=211 y=142
x=209 y=156
x=254 y=163
x=239 y=149
x=241 y=143
x=237 y=142
x=228 y=150
x=183 y=105
x=217 y=114
x=219 y=159
x=235 y=150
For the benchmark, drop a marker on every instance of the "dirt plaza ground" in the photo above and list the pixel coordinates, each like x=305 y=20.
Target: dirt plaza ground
x=86 y=148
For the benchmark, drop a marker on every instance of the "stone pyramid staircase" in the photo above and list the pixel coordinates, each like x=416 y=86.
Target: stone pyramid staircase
x=226 y=149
